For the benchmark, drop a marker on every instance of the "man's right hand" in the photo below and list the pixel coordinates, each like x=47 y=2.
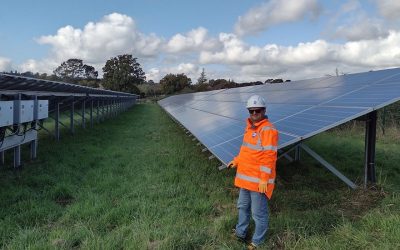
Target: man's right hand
x=232 y=164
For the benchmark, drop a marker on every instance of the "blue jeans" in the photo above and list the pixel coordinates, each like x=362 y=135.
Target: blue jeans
x=256 y=203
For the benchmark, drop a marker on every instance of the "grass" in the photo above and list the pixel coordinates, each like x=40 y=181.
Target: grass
x=138 y=182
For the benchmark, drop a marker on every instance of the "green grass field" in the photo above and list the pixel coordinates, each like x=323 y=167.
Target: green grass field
x=139 y=182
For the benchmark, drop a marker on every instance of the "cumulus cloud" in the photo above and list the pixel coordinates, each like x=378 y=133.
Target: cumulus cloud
x=191 y=70
x=43 y=66
x=305 y=59
x=5 y=64
x=275 y=12
x=363 y=29
x=234 y=51
x=194 y=40
x=389 y=8
x=353 y=23
x=383 y=52
x=153 y=74
x=115 y=34
x=237 y=52
x=369 y=46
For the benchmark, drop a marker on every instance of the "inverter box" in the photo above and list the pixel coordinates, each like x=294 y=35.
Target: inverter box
x=23 y=111
x=41 y=109
x=6 y=113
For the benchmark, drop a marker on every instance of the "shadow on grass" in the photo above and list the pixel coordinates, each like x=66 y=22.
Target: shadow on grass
x=311 y=201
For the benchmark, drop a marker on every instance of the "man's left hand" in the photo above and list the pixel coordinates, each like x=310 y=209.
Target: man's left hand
x=262 y=187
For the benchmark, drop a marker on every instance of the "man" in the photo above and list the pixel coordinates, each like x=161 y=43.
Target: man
x=255 y=174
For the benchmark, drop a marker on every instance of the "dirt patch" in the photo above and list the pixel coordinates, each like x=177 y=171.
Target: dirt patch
x=220 y=209
x=64 y=201
x=154 y=244
x=356 y=203
x=279 y=241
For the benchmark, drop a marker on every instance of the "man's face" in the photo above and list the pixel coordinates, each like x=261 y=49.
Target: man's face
x=256 y=114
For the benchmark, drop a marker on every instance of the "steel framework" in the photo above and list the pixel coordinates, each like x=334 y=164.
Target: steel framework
x=89 y=104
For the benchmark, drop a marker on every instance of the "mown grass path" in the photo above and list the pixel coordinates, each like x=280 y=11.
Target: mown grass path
x=139 y=182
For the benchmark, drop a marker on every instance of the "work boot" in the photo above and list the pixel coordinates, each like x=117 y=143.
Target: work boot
x=237 y=237
x=251 y=246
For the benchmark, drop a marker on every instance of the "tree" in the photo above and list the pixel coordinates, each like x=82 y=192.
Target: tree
x=150 y=88
x=173 y=83
x=271 y=81
x=202 y=79
x=73 y=70
x=202 y=84
x=222 y=84
x=123 y=73
x=93 y=83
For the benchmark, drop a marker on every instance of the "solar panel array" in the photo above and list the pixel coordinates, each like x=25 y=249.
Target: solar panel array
x=298 y=109
x=25 y=103
x=11 y=84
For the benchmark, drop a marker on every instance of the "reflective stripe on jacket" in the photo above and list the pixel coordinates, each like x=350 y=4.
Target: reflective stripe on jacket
x=257 y=157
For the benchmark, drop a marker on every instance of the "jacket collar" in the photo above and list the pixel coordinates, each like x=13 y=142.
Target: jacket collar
x=250 y=124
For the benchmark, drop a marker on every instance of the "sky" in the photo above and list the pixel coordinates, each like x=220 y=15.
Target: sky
x=251 y=40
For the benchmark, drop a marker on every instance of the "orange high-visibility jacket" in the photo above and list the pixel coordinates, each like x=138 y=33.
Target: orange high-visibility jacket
x=256 y=160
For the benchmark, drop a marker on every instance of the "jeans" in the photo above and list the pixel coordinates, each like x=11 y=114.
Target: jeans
x=256 y=203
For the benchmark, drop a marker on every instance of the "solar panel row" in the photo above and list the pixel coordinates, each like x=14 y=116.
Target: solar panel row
x=299 y=109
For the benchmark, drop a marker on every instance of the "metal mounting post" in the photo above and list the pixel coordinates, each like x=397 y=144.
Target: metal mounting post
x=2 y=159
x=297 y=153
x=57 y=121
x=83 y=114
x=370 y=141
x=71 y=117
x=34 y=143
x=98 y=111
x=17 y=149
x=91 y=113
x=17 y=156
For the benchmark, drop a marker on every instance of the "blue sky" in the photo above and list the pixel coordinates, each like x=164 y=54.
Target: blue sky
x=241 y=40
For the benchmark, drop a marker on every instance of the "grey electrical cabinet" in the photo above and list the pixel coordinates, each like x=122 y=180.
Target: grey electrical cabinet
x=41 y=110
x=6 y=113
x=23 y=111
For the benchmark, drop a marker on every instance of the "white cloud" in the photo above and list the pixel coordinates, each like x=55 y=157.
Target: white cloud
x=234 y=51
x=363 y=29
x=353 y=23
x=369 y=46
x=303 y=53
x=237 y=52
x=191 y=70
x=389 y=8
x=351 y=5
x=42 y=66
x=115 y=34
x=305 y=59
x=194 y=40
x=275 y=12
x=383 y=52
x=153 y=74
x=5 y=64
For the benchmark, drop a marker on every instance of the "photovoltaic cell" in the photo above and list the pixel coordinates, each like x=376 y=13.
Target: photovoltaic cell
x=298 y=109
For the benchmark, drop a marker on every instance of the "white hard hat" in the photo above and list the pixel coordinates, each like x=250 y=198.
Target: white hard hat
x=256 y=101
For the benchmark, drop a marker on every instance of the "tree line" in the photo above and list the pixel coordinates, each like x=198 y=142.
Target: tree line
x=124 y=73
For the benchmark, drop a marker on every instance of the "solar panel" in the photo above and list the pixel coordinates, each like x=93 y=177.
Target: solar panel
x=12 y=84
x=298 y=109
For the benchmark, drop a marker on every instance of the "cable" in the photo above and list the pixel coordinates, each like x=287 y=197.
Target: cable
x=2 y=135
